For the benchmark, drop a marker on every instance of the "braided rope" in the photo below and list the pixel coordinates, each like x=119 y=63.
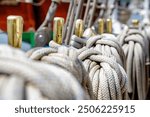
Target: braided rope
x=107 y=44
x=21 y=78
x=65 y=58
x=101 y=73
x=107 y=77
x=133 y=44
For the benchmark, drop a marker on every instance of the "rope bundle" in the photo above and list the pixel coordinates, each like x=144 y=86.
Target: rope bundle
x=64 y=58
x=109 y=48
x=77 y=42
x=133 y=44
x=21 y=78
x=108 y=45
x=107 y=77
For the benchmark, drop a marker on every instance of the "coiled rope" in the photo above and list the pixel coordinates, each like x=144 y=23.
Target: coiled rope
x=133 y=44
x=107 y=44
x=21 y=78
x=65 y=58
x=107 y=77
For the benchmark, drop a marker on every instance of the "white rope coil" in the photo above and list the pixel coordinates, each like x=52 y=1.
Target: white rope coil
x=107 y=77
x=21 y=78
x=77 y=42
x=108 y=45
x=102 y=73
x=65 y=58
x=133 y=44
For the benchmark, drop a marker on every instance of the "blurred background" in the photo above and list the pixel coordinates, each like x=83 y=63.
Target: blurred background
x=33 y=15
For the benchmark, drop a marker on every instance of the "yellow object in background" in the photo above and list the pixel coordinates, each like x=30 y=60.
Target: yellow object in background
x=79 y=28
x=135 y=22
x=15 y=30
x=109 y=26
x=58 y=30
x=101 y=26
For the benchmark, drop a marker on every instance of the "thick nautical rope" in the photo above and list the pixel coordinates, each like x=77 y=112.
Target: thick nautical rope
x=133 y=44
x=65 y=58
x=21 y=78
x=107 y=44
x=107 y=77
x=94 y=65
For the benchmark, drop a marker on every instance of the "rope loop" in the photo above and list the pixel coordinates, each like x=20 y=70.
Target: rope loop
x=107 y=77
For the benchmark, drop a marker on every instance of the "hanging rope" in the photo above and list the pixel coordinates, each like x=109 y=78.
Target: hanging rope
x=65 y=58
x=107 y=77
x=21 y=78
x=133 y=44
x=146 y=32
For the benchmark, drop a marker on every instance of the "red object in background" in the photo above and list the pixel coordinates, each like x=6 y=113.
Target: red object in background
x=33 y=16
x=40 y=12
x=24 y=10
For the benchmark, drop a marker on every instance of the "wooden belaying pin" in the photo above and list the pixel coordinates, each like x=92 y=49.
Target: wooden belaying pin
x=79 y=28
x=58 y=29
x=135 y=22
x=15 y=30
x=109 y=26
x=100 y=26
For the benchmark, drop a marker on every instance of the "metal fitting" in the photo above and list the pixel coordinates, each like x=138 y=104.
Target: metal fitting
x=58 y=29
x=79 y=28
x=15 y=30
x=101 y=26
x=135 y=22
x=109 y=26
x=58 y=1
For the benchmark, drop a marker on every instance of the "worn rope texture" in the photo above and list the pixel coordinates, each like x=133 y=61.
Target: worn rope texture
x=133 y=44
x=107 y=77
x=107 y=44
x=22 y=78
x=93 y=67
x=65 y=58
x=78 y=42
